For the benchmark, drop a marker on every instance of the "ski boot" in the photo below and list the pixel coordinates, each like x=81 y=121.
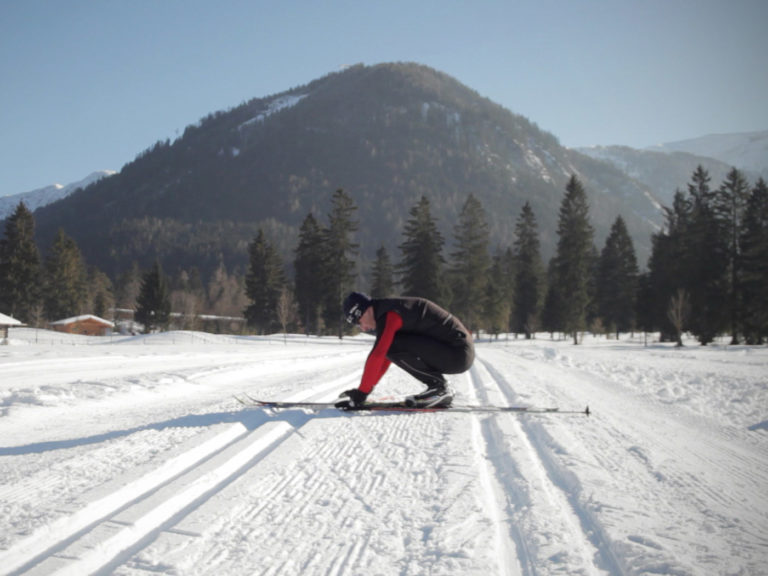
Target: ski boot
x=436 y=396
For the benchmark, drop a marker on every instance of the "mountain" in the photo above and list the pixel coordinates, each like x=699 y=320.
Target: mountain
x=662 y=172
x=35 y=199
x=745 y=151
x=668 y=167
x=387 y=134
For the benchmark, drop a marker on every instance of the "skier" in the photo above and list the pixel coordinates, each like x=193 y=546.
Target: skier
x=414 y=334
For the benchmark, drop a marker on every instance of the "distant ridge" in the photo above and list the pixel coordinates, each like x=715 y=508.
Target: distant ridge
x=662 y=172
x=35 y=199
x=745 y=150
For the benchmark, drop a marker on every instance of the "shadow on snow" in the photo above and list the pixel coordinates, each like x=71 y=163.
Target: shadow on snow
x=250 y=419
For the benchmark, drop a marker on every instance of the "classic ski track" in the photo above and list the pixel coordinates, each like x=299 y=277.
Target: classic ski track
x=98 y=534
x=332 y=494
x=112 y=527
x=521 y=444
x=337 y=464
x=116 y=447
x=703 y=490
x=494 y=466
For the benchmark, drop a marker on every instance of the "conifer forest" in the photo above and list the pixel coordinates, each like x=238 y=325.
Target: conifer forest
x=706 y=274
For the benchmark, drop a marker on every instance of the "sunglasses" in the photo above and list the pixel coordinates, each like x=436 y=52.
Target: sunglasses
x=354 y=314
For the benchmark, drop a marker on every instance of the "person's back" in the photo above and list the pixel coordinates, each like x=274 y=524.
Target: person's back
x=422 y=316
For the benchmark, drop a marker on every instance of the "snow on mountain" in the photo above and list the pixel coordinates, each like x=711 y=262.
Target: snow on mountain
x=661 y=172
x=35 y=199
x=129 y=455
x=276 y=105
x=746 y=150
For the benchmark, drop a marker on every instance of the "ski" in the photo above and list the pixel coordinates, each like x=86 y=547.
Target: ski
x=403 y=407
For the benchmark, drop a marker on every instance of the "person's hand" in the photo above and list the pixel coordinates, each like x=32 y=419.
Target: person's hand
x=351 y=399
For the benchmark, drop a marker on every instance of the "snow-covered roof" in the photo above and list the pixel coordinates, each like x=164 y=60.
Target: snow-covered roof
x=74 y=319
x=8 y=321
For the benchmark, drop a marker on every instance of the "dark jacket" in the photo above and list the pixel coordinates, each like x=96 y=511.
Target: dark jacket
x=420 y=316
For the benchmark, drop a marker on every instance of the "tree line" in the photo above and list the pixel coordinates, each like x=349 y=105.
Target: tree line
x=706 y=274
x=709 y=267
x=38 y=290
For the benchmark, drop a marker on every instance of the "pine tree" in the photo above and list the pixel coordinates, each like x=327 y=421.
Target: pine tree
x=528 y=274
x=644 y=303
x=128 y=286
x=340 y=258
x=65 y=279
x=496 y=303
x=470 y=263
x=421 y=266
x=591 y=313
x=101 y=300
x=617 y=279
x=226 y=293
x=677 y=312
x=730 y=203
x=263 y=285
x=20 y=272
x=573 y=258
x=754 y=265
x=690 y=260
x=308 y=274
x=188 y=298
x=705 y=252
x=553 y=311
x=153 y=305
x=509 y=273
x=286 y=310
x=383 y=283
x=668 y=266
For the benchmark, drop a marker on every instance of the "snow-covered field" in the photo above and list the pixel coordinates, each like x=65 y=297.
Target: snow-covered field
x=130 y=456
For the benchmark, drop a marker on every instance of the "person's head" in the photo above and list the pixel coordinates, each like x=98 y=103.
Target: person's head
x=355 y=305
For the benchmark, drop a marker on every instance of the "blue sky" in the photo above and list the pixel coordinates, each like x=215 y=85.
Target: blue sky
x=88 y=84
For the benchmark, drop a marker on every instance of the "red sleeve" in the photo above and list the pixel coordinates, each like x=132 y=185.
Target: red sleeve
x=376 y=364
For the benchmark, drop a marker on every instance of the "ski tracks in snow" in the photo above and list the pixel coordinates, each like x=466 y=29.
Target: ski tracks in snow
x=655 y=486
x=545 y=524
x=108 y=529
x=348 y=494
x=295 y=492
x=179 y=484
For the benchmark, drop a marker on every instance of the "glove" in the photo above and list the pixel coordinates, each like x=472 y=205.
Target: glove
x=355 y=399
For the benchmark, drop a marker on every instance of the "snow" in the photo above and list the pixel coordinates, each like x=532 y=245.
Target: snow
x=81 y=318
x=745 y=150
x=276 y=105
x=8 y=321
x=129 y=456
x=40 y=197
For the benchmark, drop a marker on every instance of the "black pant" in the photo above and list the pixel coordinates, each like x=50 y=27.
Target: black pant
x=427 y=359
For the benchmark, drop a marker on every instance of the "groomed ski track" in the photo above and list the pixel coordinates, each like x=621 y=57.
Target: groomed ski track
x=173 y=477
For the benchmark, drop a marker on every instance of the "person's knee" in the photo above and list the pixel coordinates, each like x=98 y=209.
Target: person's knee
x=462 y=360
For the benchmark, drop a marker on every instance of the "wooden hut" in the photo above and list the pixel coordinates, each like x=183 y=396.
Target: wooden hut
x=87 y=324
x=5 y=323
